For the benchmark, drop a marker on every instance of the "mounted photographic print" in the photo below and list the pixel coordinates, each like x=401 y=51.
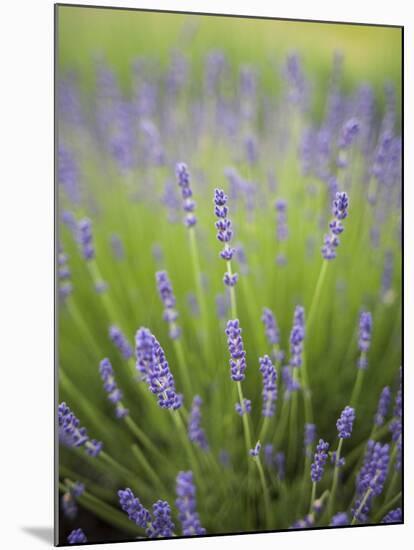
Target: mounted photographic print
x=228 y=275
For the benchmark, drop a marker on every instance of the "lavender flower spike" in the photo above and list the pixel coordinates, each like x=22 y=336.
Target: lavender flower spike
x=345 y=423
x=236 y=349
x=383 y=406
x=271 y=328
x=393 y=516
x=114 y=393
x=132 y=506
x=186 y=504
x=153 y=366
x=364 y=341
x=77 y=536
x=297 y=336
x=119 y=339
x=224 y=233
x=243 y=408
x=269 y=393
x=340 y=212
x=195 y=431
x=72 y=435
x=183 y=178
x=84 y=230
x=319 y=461
x=167 y=296
x=162 y=525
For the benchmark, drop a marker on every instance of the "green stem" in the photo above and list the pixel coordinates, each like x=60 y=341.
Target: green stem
x=178 y=347
x=361 y=506
x=136 y=430
x=265 y=492
x=199 y=286
x=232 y=294
x=245 y=420
x=313 y=496
x=335 y=478
x=316 y=294
x=357 y=388
x=148 y=468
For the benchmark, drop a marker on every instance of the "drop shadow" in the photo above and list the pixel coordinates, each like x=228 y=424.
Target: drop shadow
x=42 y=533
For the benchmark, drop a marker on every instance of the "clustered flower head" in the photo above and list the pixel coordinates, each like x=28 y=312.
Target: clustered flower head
x=119 y=339
x=114 y=393
x=85 y=238
x=224 y=232
x=345 y=423
x=154 y=368
x=269 y=393
x=72 y=434
x=271 y=328
x=393 y=516
x=243 y=408
x=183 y=177
x=340 y=212
x=77 y=536
x=383 y=406
x=168 y=299
x=364 y=340
x=236 y=349
x=195 y=431
x=297 y=336
x=162 y=524
x=132 y=506
x=187 y=506
x=371 y=478
x=319 y=460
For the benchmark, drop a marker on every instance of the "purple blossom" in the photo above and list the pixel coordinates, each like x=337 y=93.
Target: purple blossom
x=340 y=212
x=224 y=232
x=345 y=422
x=132 y=506
x=167 y=296
x=243 y=408
x=72 y=434
x=120 y=341
x=236 y=350
x=271 y=328
x=269 y=393
x=297 y=336
x=364 y=340
x=383 y=406
x=195 y=431
x=183 y=178
x=64 y=275
x=153 y=366
x=339 y=519
x=371 y=478
x=161 y=525
x=304 y=523
x=114 y=393
x=256 y=450
x=310 y=434
x=289 y=382
x=281 y=220
x=319 y=461
x=393 y=516
x=77 y=536
x=84 y=234
x=186 y=505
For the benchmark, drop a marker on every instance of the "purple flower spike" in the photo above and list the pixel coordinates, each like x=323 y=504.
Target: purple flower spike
x=255 y=452
x=72 y=435
x=271 y=328
x=168 y=299
x=269 y=393
x=290 y=384
x=350 y=130
x=153 y=366
x=383 y=406
x=281 y=220
x=393 y=516
x=114 y=393
x=162 y=525
x=310 y=434
x=297 y=336
x=243 y=408
x=236 y=349
x=121 y=342
x=341 y=518
x=186 y=504
x=195 y=431
x=340 y=212
x=77 y=536
x=64 y=275
x=183 y=178
x=364 y=341
x=224 y=233
x=319 y=461
x=85 y=238
x=345 y=423
x=132 y=506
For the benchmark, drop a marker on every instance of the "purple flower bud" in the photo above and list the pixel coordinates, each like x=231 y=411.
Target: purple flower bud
x=319 y=461
x=290 y=384
x=364 y=340
x=153 y=366
x=167 y=296
x=114 y=393
x=269 y=393
x=331 y=240
x=255 y=452
x=393 y=516
x=120 y=341
x=271 y=328
x=230 y=279
x=243 y=408
x=85 y=238
x=297 y=336
x=72 y=435
x=186 y=505
x=132 y=506
x=183 y=178
x=162 y=525
x=77 y=536
x=383 y=406
x=236 y=349
x=345 y=422
x=339 y=519
x=195 y=431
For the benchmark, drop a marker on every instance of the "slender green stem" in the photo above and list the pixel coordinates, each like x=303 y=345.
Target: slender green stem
x=122 y=471
x=361 y=506
x=265 y=490
x=136 y=430
x=331 y=501
x=264 y=428
x=357 y=387
x=148 y=468
x=178 y=347
x=199 y=286
x=316 y=294
x=245 y=420
x=232 y=294
x=313 y=496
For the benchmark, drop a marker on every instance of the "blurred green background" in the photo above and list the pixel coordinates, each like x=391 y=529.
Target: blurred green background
x=372 y=54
